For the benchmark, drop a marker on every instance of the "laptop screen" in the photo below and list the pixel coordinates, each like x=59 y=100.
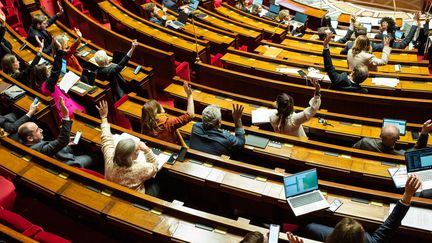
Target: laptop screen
x=194 y=4
x=300 y=183
x=418 y=160
x=274 y=8
x=368 y=27
x=259 y=2
x=401 y=124
x=300 y=17
x=182 y=18
x=398 y=34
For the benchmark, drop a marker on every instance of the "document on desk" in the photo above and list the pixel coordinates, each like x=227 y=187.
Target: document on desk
x=262 y=115
x=419 y=218
x=287 y=70
x=68 y=80
x=318 y=76
x=389 y=82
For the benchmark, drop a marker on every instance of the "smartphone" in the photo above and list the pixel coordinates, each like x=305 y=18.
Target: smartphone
x=35 y=101
x=77 y=137
x=172 y=159
x=274 y=233
x=137 y=69
x=302 y=73
x=415 y=135
x=335 y=205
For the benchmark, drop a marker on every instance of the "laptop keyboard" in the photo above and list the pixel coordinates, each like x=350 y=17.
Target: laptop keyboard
x=306 y=199
x=425 y=176
x=83 y=86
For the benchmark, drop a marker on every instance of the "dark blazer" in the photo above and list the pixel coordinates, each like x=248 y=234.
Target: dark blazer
x=10 y=123
x=170 y=4
x=216 y=141
x=157 y=21
x=43 y=35
x=377 y=146
x=58 y=148
x=5 y=46
x=382 y=234
x=112 y=74
x=55 y=71
x=340 y=81
x=24 y=75
x=346 y=38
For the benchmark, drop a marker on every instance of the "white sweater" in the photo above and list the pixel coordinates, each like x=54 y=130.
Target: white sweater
x=368 y=59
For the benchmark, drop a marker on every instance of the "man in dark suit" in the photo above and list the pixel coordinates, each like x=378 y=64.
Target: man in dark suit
x=39 y=28
x=343 y=81
x=389 y=136
x=350 y=229
x=111 y=71
x=32 y=136
x=10 y=123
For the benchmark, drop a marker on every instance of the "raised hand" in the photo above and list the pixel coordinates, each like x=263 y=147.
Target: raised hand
x=102 y=109
x=78 y=32
x=237 y=114
x=187 y=88
x=2 y=18
x=293 y=238
x=387 y=41
x=412 y=184
x=61 y=11
x=417 y=16
x=134 y=43
x=427 y=127
x=33 y=108
x=353 y=19
x=63 y=109
x=316 y=84
x=328 y=38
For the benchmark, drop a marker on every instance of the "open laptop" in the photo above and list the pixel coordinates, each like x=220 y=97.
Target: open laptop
x=258 y=2
x=302 y=194
x=180 y=22
x=401 y=124
x=419 y=162
x=299 y=20
x=193 y=5
x=273 y=11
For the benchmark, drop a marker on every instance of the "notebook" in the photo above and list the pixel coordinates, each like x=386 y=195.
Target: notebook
x=262 y=115
x=419 y=162
x=302 y=194
x=401 y=124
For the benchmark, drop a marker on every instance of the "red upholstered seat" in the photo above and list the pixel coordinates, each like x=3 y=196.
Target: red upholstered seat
x=18 y=223
x=182 y=70
x=120 y=118
x=7 y=193
x=47 y=237
x=243 y=48
x=93 y=172
x=217 y=3
x=215 y=60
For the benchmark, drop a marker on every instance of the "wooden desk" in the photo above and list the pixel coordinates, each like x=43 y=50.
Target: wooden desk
x=162 y=62
x=271 y=28
x=11 y=235
x=263 y=88
x=183 y=46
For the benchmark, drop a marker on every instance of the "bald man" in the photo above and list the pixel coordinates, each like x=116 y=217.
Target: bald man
x=389 y=136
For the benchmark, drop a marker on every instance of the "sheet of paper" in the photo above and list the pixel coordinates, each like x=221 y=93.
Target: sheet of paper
x=420 y=218
x=399 y=176
x=319 y=76
x=68 y=80
x=262 y=115
x=287 y=70
x=388 y=82
x=162 y=158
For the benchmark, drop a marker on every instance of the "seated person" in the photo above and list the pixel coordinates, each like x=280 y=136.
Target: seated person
x=286 y=121
x=38 y=28
x=71 y=60
x=243 y=5
x=361 y=53
x=387 y=28
x=257 y=10
x=342 y=81
x=151 y=14
x=11 y=66
x=46 y=81
x=349 y=230
x=207 y=137
x=171 y=5
x=389 y=136
x=156 y=124
x=32 y=136
x=112 y=71
x=121 y=164
x=5 y=46
x=423 y=35
x=351 y=29
x=359 y=31
x=284 y=17
x=10 y=123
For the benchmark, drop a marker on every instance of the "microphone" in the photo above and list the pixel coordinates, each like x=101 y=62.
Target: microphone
x=274 y=31
x=196 y=39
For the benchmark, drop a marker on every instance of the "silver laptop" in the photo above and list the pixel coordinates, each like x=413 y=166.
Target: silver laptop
x=180 y=22
x=302 y=194
x=419 y=162
x=299 y=20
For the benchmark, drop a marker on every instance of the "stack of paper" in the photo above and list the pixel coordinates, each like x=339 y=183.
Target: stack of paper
x=262 y=115
x=389 y=82
x=68 y=80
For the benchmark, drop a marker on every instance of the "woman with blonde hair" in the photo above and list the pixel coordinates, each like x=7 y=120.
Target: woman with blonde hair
x=155 y=123
x=362 y=53
x=71 y=60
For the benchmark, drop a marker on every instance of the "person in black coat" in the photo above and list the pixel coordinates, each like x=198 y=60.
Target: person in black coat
x=343 y=81
x=38 y=28
x=111 y=71
x=5 y=46
x=10 y=123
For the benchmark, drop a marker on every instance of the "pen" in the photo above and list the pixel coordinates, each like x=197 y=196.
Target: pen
x=15 y=91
